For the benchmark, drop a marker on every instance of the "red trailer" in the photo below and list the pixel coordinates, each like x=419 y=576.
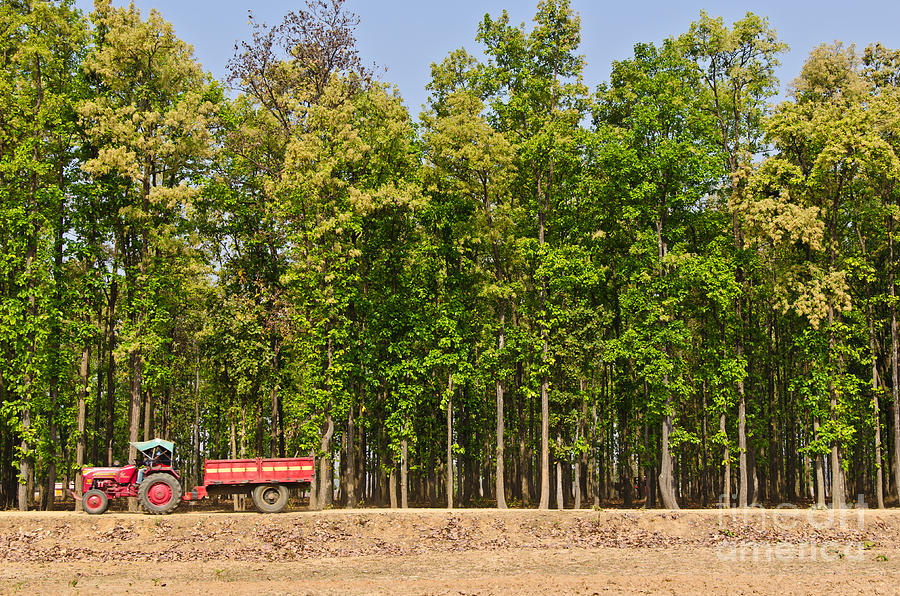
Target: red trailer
x=267 y=481
x=156 y=484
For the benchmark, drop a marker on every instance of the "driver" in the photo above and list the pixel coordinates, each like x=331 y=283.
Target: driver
x=146 y=465
x=157 y=457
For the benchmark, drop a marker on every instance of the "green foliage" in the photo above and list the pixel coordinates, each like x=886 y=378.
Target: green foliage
x=301 y=268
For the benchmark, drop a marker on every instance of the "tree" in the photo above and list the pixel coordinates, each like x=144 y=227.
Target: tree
x=472 y=163
x=882 y=71
x=149 y=121
x=41 y=48
x=830 y=151
x=659 y=144
x=737 y=66
x=534 y=89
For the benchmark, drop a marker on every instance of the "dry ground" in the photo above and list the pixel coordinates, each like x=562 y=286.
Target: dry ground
x=475 y=551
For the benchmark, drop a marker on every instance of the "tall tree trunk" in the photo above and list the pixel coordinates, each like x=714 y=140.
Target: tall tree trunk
x=545 y=403
x=233 y=452
x=579 y=456
x=277 y=447
x=837 y=479
x=895 y=355
x=625 y=478
x=392 y=485
x=524 y=467
x=595 y=468
x=48 y=489
x=383 y=477
x=739 y=349
x=149 y=406
x=136 y=361
x=326 y=492
x=726 y=458
x=450 y=441
x=195 y=443
x=342 y=471
x=809 y=484
x=577 y=504
x=313 y=486
x=876 y=414
x=404 y=474
x=135 y=422
x=49 y=492
x=650 y=482
x=360 y=483
x=111 y=367
x=351 y=459
x=704 y=465
x=666 y=478
x=743 y=486
x=775 y=460
x=820 y=471
x=545 y=441
x=276 y=422
x=560 y=499
x=98 y=397
x=26 y=470
x=82 y=398
x=243 y=430
x=837 y=487
x=500 y=487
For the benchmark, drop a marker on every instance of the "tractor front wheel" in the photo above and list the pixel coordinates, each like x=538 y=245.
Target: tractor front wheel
x=95 y=502
x=159 y=494
x=270 y=498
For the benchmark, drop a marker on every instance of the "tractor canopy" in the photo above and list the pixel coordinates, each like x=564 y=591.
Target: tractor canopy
x=156 y=451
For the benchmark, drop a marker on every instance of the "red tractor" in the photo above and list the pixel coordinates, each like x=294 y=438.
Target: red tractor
x=157 y=487
x=155 y=483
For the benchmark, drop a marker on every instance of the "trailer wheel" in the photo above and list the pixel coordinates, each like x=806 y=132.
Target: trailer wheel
x=159 y=494
x=270 y=498
x=95 y=502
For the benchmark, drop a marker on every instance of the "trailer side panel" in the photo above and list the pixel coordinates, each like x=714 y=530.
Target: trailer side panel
x=259 y=471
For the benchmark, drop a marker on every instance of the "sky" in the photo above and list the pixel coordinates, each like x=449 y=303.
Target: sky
x=406 y=36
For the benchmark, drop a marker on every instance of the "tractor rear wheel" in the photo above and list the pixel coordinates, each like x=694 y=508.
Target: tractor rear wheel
x=270 y=498
x=95 y=502
x=159 y=494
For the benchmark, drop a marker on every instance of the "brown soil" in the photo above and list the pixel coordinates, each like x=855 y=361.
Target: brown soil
x=475 y=551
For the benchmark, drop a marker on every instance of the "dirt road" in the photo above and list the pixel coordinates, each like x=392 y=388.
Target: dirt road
x=460 y=552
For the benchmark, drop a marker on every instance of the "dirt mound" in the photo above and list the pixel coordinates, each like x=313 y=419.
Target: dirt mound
x=61 y=536
x=193 y=549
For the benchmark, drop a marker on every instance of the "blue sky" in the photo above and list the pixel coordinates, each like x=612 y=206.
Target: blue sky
x=406 y=36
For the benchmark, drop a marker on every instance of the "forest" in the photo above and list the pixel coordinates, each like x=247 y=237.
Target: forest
x=668 y=291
